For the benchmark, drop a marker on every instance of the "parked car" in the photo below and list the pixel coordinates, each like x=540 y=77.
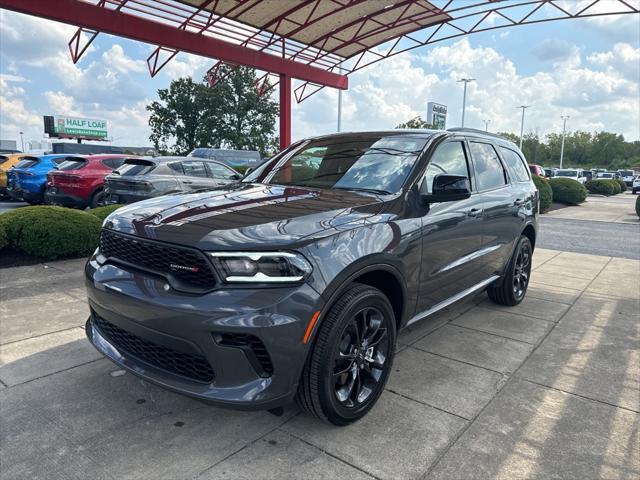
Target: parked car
x=7 y=161
x=626 y=176
x=536 y=170
x=635 y=187
x=27 y=179
x=140 y=178
x=576 y=174
x=231 y=158
x=294 y=282
x=79 y=182
x=607 y=175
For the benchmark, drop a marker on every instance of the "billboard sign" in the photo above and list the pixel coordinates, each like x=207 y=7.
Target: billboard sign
x=437 y=115
x=76 y=127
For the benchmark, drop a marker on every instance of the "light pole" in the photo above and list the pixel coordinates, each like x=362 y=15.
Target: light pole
x=464 y=95
x=564 y=131
x=22 y=141
x=486 y=125
x=523 y=107
x=339 y=105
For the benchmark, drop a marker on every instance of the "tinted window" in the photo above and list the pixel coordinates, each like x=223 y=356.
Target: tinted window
x=3 y=158
x=515 y=164
x=135 y=167
x=72 y=164
x=488 y=169
x=27 y=163
x=194 y=169
x=567 y=173
x=348 y=162
x=201 y=153
x=176 y=167
x=113 y=162
x=449 y=158
x=220 y=171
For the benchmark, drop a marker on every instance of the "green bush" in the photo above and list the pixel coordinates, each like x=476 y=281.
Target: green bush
x=638 y=206
x=567 y=191
x=3 y=237
x=602 y=187
x=546 y=195
x=103 y=212
x=615 y=185
x=623 y=186
x=241 y=169
x=50 y=232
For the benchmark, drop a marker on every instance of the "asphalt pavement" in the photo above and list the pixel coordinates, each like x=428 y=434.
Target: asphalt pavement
x=7 y=205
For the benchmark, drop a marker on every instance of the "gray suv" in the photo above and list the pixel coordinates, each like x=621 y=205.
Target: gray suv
x=293 y=283
x=141 y=178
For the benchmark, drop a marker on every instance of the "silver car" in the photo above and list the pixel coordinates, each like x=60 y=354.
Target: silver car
x=141 y=178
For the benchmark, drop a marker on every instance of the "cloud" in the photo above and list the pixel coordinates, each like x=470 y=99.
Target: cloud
x=116 y=59
x=557 y=52
x=623 y=58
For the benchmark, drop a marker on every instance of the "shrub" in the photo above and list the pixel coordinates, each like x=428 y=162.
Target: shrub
x=568 y=191
x=615 y=185
x=546 y=195
x=3 y=237
x=50 y=232
x=638 y=206
x=601 y=187
x=241 y=169
x=623 y=186
x=103 y=212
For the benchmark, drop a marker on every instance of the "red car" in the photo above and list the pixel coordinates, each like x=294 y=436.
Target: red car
x=79 y=182
x=536 y=170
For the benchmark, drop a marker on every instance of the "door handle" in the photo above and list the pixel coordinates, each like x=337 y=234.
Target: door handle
x=187 y=182
x=474 y=212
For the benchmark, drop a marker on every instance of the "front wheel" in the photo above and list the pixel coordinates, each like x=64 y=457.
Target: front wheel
x=351 y=359
x=98 y=199
x=511 y=289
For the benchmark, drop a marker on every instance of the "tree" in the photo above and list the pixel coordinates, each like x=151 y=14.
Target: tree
x=230 y=115
x=416 y=122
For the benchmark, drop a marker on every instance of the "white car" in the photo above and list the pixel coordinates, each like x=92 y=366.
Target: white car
x=635 y=188
x=626 y=176
x=576 y=174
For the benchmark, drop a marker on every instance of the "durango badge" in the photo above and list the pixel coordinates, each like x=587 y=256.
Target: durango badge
x=175 y=267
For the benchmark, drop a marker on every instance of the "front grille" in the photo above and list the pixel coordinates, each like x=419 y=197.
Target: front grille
x=187 y=365
x=253 y=347
x=188 y=266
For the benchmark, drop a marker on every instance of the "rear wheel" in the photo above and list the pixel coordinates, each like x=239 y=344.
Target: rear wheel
x=351 y=358
x=97 y=199
x=511 y=289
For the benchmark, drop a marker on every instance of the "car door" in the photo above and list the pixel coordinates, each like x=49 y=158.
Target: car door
x=502 y=201
x=195 y=176
x=451 y=232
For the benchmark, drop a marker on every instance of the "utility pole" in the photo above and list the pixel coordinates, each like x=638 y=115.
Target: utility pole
x=523 y=107
x=486 y=125
x=22 y=141
x=564 y=131
x=339 y=106
x=464 y=95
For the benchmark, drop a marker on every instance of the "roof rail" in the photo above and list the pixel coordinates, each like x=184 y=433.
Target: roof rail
x=475 y=130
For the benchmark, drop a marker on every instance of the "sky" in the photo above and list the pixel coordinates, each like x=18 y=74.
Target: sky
x=588 y=69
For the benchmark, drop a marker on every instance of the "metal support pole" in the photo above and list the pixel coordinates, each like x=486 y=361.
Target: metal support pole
x=486 y=125
x=285 y=111
x=339 y=110
x=523 y=107
x=564 y=131
x=464 y=96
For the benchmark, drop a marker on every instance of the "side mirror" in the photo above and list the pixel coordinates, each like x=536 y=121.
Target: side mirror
x=447 y=188
x=236 y=176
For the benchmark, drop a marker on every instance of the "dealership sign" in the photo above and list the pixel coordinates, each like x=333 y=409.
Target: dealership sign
x=76 y=127
x=437 y=115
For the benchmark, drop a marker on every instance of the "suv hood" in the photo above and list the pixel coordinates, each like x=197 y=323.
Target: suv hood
x=245 y=216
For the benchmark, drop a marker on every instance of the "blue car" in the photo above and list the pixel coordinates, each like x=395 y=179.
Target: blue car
x=27 y=180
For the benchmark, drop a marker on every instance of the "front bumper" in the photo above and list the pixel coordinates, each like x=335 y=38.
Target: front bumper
x=193 y=328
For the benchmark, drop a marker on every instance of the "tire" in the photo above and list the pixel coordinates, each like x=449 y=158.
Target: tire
x=342 y=380
x=97 y=199
x=511 y=290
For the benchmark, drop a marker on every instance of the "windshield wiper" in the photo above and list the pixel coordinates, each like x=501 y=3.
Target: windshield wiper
x=366 y=190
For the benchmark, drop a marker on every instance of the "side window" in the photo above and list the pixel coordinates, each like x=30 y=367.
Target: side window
x=194 y=169
x=448 y=158
x=219 y=171
x=108 y=162
x=516 y=166
x=176 y=167
x=489 y=171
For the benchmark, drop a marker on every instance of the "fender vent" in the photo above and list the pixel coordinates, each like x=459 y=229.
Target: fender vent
x=253 y=348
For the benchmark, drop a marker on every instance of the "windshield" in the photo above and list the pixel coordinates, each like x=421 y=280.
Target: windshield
x=567 y=173
x=626 y=173
x=135 y=167
x=375 y=163
x=605 y=175
x=72 y=164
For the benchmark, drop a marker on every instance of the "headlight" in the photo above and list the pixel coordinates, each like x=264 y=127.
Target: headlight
x=262 y=267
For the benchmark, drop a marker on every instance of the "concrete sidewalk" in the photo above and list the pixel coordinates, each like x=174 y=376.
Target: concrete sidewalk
x=548 y=389
x=618 y=209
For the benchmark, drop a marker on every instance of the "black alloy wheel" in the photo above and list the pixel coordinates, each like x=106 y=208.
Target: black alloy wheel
x=511 y=289
x=351 y=357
